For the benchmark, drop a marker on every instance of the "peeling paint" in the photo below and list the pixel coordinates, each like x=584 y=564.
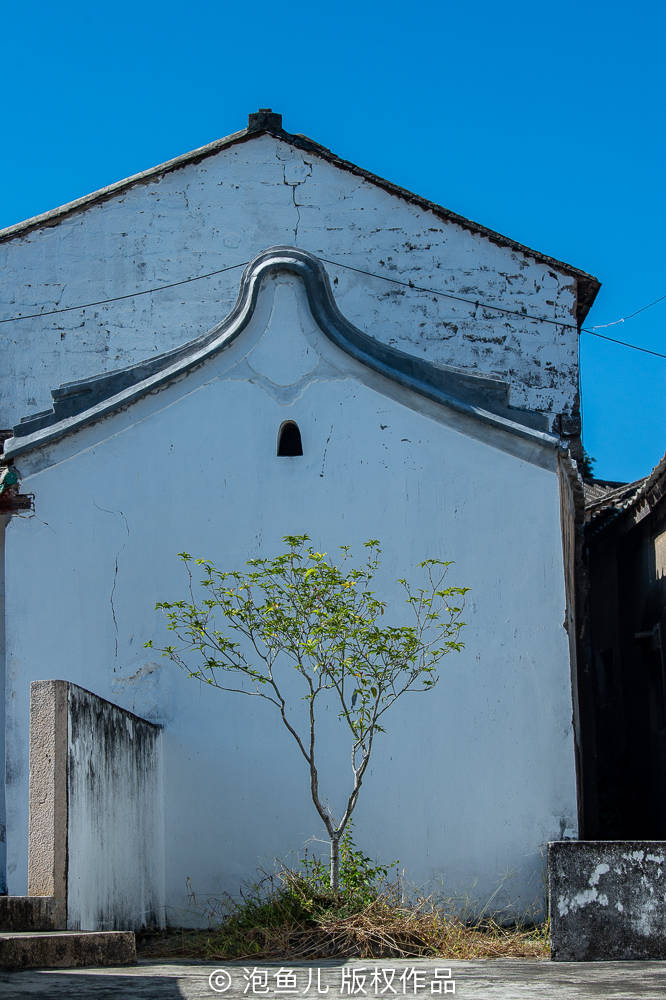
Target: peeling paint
x=598 y=872
x=225 y=209
x=606 y=901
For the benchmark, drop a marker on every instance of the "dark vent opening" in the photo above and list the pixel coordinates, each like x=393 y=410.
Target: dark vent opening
x=289 y=440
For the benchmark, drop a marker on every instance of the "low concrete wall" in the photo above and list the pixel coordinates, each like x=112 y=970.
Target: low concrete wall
x=607 y=899
x=96 y=832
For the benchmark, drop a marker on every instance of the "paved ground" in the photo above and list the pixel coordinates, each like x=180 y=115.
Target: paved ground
x=502 y=979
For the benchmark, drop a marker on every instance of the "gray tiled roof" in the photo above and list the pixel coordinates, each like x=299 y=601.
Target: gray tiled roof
x=606 y=501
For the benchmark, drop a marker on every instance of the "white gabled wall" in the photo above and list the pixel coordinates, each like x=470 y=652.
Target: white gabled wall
x=226 y=209
x=470 y=781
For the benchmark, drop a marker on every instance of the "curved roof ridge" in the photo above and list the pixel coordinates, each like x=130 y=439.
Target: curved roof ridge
x=77 y=404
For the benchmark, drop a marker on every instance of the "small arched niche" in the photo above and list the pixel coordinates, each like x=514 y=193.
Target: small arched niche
x=289 y=440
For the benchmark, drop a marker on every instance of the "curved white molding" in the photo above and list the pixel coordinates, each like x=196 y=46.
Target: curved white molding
x=78 y=404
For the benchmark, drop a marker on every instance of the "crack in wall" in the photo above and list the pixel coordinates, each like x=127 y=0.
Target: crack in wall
x=346 y=216
x=298 y=214
x=58 y=301
x=293 y=185
x=323 y=460
x=113 y=607
x=122 y=514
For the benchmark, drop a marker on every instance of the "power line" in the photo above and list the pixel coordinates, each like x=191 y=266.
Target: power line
x=634 y=347
x=440 y=293
x=119 y=298
x=458 y=298
x=623 y=319
x=510 y=312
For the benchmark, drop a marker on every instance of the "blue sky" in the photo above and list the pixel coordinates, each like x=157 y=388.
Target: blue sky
x=544 y=122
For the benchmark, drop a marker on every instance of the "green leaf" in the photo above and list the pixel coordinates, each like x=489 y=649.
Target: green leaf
x=300 y=610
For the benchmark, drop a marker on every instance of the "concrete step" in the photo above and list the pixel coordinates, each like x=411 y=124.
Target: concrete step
x=31 y=913
x=66 y=949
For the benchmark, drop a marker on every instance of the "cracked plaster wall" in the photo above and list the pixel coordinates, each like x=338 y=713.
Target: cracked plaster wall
x=223 y=211
x=194 y=467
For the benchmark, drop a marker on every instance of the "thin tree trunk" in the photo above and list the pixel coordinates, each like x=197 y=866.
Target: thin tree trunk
x=335 y=864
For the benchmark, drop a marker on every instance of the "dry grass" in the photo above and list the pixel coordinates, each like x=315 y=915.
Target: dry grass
x=381 y=929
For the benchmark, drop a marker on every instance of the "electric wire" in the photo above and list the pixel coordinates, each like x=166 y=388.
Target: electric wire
x=119 y=298
x=624 y=343
x=440 y=293
x=450 y=295
x=512 y=312
x=623 y=319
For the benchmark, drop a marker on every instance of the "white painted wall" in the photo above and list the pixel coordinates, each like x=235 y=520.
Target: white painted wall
x=470 y=781
x=226 y=209
x=115 y=818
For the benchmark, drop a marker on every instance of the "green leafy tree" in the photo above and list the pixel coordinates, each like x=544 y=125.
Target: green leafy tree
x=299 y=611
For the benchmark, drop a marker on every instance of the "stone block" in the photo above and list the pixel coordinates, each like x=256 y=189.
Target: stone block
x=32 y=913
x=607 y=900
x=67 y=949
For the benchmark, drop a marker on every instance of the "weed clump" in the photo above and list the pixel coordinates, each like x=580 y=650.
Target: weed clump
x=293 y=914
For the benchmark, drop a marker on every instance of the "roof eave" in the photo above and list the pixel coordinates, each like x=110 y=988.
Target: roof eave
x=647 y=493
